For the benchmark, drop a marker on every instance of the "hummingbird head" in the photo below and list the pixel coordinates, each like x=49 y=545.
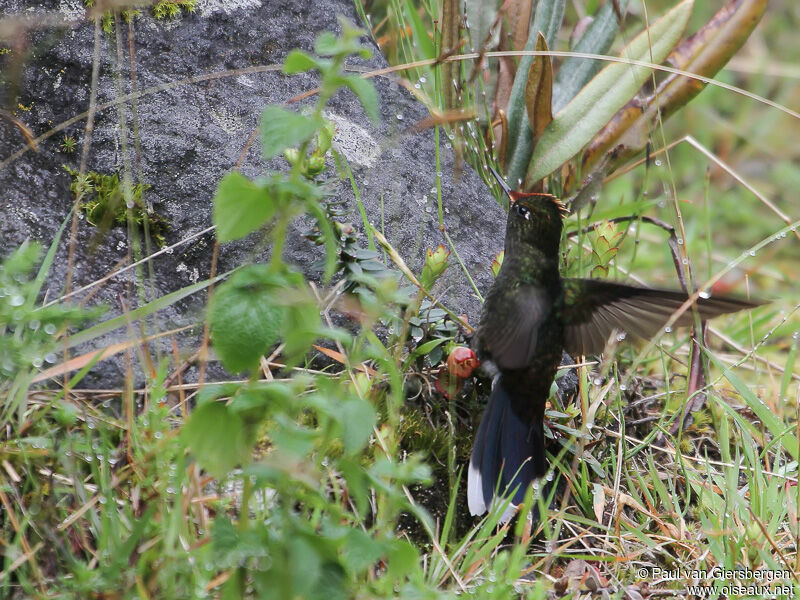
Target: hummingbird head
x=534 y=220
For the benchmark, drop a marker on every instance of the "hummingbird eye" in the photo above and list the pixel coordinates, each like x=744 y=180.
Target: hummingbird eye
x=522 y=211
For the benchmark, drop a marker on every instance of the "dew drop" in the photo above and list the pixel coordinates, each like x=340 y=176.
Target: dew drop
x=158 y=435
x=423 y=79
x=752 y=252
x=37 y=362
x=680 y=241
x=658 y=163
x=34 y=324
x=667 y=329
x=622 y=387
x=597 y=381
x=49 y=329
x=400 y=116
x=705 y=295
x=621 y=336
x=102 y=499
x=16 y=300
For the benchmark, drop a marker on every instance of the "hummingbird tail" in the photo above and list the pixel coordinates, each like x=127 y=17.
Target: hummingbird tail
x=507 y=456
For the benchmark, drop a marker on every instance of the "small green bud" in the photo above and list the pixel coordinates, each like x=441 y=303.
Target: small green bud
x=315 y=165
x=292 y=155
x=435 y=265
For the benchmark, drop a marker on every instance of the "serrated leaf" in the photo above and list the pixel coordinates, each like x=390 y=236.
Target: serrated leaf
x=214 y=435
x=298 y=61
x=357 y=417
x=326 y=44
x=240 y=207
x=365 y=92
x=360 y=551
x=281 y=129
x=245 y=318
x=577 y=123
x=403 y=558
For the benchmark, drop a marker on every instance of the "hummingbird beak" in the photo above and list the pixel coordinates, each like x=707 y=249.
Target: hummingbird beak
x=502 y=183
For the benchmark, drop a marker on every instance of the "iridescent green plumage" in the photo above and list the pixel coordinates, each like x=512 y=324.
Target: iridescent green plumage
x=530 y=314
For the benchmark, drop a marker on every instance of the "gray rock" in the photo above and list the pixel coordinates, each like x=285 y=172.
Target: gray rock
x=193 y=133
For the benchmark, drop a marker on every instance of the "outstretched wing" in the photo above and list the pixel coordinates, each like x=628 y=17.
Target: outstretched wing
x=593 y=309
x=509 y=324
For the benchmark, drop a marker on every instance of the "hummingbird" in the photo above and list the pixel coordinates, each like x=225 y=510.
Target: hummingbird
x=529 y=315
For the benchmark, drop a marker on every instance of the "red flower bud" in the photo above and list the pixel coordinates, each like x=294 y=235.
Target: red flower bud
x=462 y=361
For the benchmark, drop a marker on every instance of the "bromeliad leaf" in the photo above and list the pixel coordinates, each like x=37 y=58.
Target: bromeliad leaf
x=575 y=125
x=575 y=71
x=281 y=129
x=539 y=90
x=240 y=207
x=704 y=53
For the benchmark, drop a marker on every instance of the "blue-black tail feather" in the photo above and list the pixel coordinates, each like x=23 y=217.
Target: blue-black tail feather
x=506 y=450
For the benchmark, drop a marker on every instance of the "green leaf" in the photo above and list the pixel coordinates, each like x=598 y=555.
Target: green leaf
x=148 y=309
x=44 y=269
x=360 y=551
x=480 y=17
x=214 y=434
x=574 y=71
x=240 y=207
x=403 y=558
x=426 y=348
x=301 y=324
x=299 y=62
x=366 y=94
x=547 y=20
x=357 y=417
x=780 y=430
x=305 y=566
x=281 y=129
x=326 y=44
x=423 y=44
x=577 y=123
x=246 y=317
